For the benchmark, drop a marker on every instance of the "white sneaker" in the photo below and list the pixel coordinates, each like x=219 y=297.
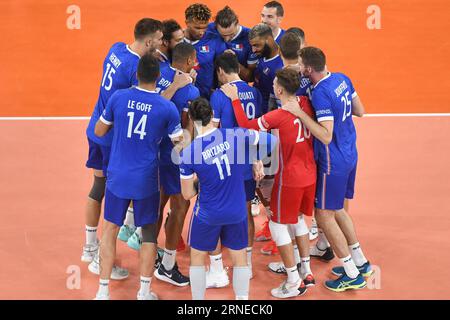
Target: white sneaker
x=288 y=290
x=217 y=279
x=89 y=252
x=255 y=206
x=148 y=296
x=313 y=231
x=102 y=297
x=277 y=267
x=117 y=273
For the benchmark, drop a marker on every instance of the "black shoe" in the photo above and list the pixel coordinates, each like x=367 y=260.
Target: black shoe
x=324 y=255
x=302 y=289
x=173 y=276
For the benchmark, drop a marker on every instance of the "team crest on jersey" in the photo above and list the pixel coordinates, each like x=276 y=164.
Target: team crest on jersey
x=238 y=47
x=266 y=71
x=204 y=49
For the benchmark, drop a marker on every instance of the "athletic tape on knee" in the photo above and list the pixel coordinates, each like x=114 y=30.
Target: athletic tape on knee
x=280 y=233
x=149 y=233
x=300 y=228
x=98 y=189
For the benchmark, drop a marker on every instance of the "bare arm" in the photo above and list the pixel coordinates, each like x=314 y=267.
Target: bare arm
x=357 y=107
x=101 y=128
x=189 y=188
x=321 y=130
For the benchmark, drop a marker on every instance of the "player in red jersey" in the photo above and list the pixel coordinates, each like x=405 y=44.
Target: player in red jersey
x=294 y=188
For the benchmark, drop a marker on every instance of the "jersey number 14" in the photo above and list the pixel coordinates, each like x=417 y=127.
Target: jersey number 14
x=140 y=127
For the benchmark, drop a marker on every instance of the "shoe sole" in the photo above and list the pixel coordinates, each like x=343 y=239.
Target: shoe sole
x=297 y=295
x=112 y=277
x=276 y=272
x=358 y=287
x=86 y=259
x=321 y=258
x=168 y=280
x=365 y=275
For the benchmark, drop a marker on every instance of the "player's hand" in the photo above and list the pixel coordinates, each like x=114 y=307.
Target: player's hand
x=230 y=90
x=193 y=75
x=181 y=79
x=294 y=108
x=258 y=171
x=230 y=51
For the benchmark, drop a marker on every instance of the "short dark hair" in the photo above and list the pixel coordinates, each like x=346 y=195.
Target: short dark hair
x=200 y=110
x=169 y=27
x=276 y=5
x=290 y=45
x=260 y=30
x=288 y=79
x=226 y=17
x=228 y=62
x=145 y=27
x=299 y=32
x=148 y=68
x=313 y=57
x=197 y=11
x=182 y=51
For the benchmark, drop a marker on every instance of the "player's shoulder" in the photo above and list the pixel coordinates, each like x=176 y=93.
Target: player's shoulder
x=212 y=28
x=217 y=94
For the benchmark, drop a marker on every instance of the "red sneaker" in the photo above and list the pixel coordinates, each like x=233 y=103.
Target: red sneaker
x=264 y=233
x=270 y=248
x=181 y=245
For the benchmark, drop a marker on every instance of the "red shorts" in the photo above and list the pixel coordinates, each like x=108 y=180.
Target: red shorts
x=287 y=203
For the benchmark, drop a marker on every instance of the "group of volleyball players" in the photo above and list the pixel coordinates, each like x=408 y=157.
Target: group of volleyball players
x=232 y=119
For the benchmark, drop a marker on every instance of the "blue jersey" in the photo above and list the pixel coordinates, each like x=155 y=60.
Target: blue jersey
x=215 y=158
x=278 y=37
x=332 y=100
x=208 y=48
x=239 y=44
x=264 y=76
x=167 y=61
x=119 y=72
x=182 y=98
x=140 y=120
x=305 y=89
x=223 y=109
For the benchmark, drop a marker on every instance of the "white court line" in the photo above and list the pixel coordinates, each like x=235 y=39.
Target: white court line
x=373 y=115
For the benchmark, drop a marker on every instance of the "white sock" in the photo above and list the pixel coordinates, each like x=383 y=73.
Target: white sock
x=139 y=232
x=313 y=223
x=249 y=256
x=296 y=254
x=216 y=263
x=322 y=243
x=91 y=235
x=129 y=218
x=305 y=269
x=168 y=259
x=349 y=266
x=103 y=288
x=145 y=285
x=357 y=254
x=292 y=274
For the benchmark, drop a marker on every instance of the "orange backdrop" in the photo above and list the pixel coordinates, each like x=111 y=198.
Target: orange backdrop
x=49 y=70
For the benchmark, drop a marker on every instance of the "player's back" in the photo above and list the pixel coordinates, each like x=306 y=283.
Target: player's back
x=223 y=109
x=332 y=100
x=140 y=119
x=297 y=167
x=217 y=157
x=264 y=76
x=119 y=72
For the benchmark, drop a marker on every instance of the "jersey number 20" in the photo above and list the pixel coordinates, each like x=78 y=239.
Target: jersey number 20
x=140 y=127
x=301 y=135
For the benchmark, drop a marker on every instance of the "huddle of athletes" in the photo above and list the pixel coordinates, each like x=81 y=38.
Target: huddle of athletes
x=222 y=113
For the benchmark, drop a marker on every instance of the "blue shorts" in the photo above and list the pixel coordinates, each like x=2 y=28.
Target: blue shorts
x=146 y=210
x=169 y=178
x=98 y=157
x=204 y=237
x=250 y=189
x=332 y=190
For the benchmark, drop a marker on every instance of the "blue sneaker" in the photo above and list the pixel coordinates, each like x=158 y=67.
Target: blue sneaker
x=135 y=242
x=126 y=232
x=365 y=270
x=344 y=283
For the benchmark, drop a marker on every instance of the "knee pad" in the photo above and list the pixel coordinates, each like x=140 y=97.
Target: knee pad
x=280 y=233
x=98 y=189
x=300 y=228
x=149 y=233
